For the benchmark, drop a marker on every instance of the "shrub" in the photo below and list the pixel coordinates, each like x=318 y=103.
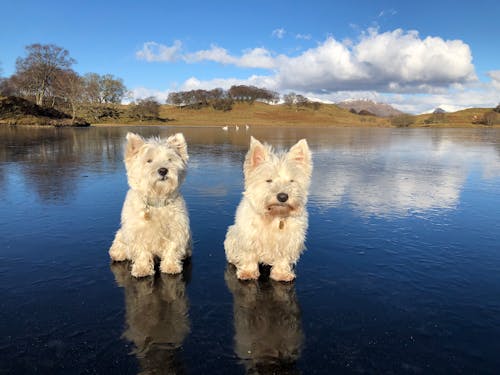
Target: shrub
x=489 y=118
x=402 y=121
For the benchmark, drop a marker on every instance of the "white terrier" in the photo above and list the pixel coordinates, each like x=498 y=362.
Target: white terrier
x=154 y=220
x=271 y=220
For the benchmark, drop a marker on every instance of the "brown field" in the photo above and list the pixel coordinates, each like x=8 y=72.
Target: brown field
x=23 y=112
x=261 y=114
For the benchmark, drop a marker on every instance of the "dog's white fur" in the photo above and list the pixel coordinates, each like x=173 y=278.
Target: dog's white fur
x=154 y=220
x=266 y=230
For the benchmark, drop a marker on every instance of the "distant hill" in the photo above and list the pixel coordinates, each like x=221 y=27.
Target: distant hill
x=439 y=110
x=377 y=109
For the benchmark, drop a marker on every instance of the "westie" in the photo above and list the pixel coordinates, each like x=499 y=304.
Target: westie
x=271 y=220
x=154 y=220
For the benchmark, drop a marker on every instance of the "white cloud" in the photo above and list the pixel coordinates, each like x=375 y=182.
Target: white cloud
x=279 y=33
x=399 y=67
x=387 y=13
x=143 y=92
x=495 y=78
x=393 y=61
x=152 y=51
x=436 y=184
x=225 y=83
x=303 y=36
x=215 y=53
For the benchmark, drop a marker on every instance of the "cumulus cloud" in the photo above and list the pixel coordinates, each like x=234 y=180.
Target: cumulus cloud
x=152 y=51
x=395 y=67
x=303 y=36
x=495 y=78
x=225 y=83
x=143 y=92
x=279 y=33
x=393 y=62
x=253 y=58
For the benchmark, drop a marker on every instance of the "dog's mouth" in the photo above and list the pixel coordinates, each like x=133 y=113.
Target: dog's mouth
x=279 y=209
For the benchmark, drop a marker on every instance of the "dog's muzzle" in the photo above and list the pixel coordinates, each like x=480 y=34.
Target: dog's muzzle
x=279 y=210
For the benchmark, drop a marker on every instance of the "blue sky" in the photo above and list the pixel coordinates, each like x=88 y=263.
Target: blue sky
x=413 y=55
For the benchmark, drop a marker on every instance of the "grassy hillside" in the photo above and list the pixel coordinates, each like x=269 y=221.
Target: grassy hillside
x=18 y=111
x=265 y=114
x=464 y=118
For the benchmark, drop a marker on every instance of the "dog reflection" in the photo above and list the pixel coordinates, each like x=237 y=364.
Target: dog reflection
x=268 y=337
x=157 y=318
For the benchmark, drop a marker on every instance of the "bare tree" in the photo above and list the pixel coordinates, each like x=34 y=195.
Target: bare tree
x=489 y=118
x=69 y=87
x=147 y=108
x=92 y=83
x=298 y=100
x=112 y=89
x=252 y=93
x=36 y=72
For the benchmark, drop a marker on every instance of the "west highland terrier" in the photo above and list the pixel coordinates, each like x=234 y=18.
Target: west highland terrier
x=154 y=220
x=271 y=219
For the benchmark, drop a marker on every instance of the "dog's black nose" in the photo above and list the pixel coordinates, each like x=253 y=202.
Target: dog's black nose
x=282 y=197
x=162 y=171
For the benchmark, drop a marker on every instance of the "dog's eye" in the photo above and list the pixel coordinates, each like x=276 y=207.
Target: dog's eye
x=150 y=160
x=292 y=180
x=269 y=180
x=169 y=160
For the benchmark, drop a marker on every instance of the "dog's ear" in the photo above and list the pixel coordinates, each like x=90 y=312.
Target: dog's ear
x=256 y=155
x=300 y=154
x=134 y=143
x=179 y=142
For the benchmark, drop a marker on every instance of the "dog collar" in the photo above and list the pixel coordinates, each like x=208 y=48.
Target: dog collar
x=156 y=202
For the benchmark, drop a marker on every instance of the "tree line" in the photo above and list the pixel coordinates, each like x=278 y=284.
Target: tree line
x=220 y=99
x=45 y=76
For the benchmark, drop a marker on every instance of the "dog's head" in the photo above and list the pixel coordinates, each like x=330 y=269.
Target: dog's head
x=156 y=166
x=277 y=184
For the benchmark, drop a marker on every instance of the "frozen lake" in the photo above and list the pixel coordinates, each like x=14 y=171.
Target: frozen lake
x=401 y=272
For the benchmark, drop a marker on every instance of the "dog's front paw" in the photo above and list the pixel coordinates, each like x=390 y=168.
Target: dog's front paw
x=117 y=255
x=142 y=269
x=170 y=267
x=279 y=274
x=247 y=274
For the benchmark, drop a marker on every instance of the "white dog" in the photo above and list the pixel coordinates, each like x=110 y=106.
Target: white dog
x=271 y=220
x=154 y=219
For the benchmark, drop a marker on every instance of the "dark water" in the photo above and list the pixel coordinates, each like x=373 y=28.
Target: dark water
x=401 y=275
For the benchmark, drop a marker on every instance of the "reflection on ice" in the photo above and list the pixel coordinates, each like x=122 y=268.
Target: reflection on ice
x=416 y=175
x=156 y=317
x=268 y=330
